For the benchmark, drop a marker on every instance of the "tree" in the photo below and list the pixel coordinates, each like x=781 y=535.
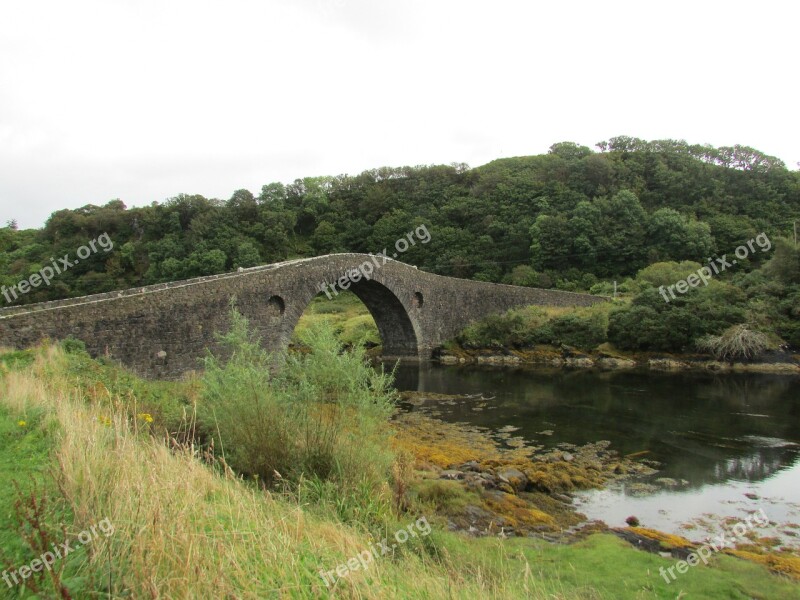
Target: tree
x=522 y=275
x=570 y=150
x=243 y=206
x=550 y=247
x=667 y=273
x=325 y=239
x=621 y=234
x=246 y=255
x=785 y=262
x=672 y=236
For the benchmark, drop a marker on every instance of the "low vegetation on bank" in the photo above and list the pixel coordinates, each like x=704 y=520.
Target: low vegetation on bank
x=739 y=318
x=246 y=482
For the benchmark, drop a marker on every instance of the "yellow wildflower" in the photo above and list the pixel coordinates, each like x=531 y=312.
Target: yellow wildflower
x=22 y=423
x=147 y=418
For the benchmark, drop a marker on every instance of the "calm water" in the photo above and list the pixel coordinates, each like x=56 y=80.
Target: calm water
x=721 y=436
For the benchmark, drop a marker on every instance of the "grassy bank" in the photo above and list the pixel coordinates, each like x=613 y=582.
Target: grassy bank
x=346 y=313
x=87 y=441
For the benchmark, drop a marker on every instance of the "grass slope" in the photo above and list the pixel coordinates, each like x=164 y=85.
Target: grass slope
x=185 y=528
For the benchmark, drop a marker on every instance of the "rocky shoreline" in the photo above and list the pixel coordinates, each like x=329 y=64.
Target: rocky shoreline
x=550 y=356
x=497 y=484
x=485 y=484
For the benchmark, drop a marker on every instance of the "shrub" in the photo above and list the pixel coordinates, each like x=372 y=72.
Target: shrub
x=72 y=345
x=581 y=331
x=735 y=342
x=666 y=273
x=790 y=331
x=249 y=421
x=603 y=288
x=494 y=331
x=522 y=275
x=652 y=324
x=323 y=417
x=583 y=328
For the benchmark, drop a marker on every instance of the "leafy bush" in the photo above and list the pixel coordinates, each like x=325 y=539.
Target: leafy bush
x=520 y=328
x=494 y=331
x=667 y=273
x=73 y=345
x=650 y=323
x=522 y=275
x=602 y=288
x=581 y=331
x=323 y=417
x=790 y=331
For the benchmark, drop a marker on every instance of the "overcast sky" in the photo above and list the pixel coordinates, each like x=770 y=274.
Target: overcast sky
x=142 y=100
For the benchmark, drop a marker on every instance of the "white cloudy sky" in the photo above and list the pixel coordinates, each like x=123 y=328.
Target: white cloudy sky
x=145 y=99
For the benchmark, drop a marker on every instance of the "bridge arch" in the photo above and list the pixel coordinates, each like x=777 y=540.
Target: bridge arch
x=395 y=314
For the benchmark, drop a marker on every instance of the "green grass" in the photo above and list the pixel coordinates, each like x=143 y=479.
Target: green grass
x=615 y=570
x=185 y=529
x=24 y=459
x=16 y=358
x=346 y=313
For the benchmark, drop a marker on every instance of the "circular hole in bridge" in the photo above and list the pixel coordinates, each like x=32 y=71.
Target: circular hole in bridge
x=418 y=300
x=275 y=306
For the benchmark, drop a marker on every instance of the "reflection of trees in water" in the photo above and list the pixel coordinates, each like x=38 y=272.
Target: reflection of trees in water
x=746 y=391
x=756 y=467
x=701 y=465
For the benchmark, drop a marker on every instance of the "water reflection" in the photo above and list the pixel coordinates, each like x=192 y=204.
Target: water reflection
x=710 y=430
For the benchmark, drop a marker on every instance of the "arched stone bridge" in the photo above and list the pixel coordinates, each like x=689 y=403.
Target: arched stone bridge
x=161 y=330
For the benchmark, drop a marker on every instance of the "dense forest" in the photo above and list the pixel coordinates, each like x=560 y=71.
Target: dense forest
x=574 y=219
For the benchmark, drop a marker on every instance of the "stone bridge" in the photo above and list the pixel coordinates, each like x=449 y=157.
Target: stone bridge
x=161 y=330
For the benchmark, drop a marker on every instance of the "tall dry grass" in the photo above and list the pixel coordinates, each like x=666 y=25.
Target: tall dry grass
x=185 y=530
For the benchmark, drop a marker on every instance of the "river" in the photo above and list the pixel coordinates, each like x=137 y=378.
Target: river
x=726 y=444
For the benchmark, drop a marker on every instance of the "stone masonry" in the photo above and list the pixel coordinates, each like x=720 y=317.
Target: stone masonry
x=161 y=331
